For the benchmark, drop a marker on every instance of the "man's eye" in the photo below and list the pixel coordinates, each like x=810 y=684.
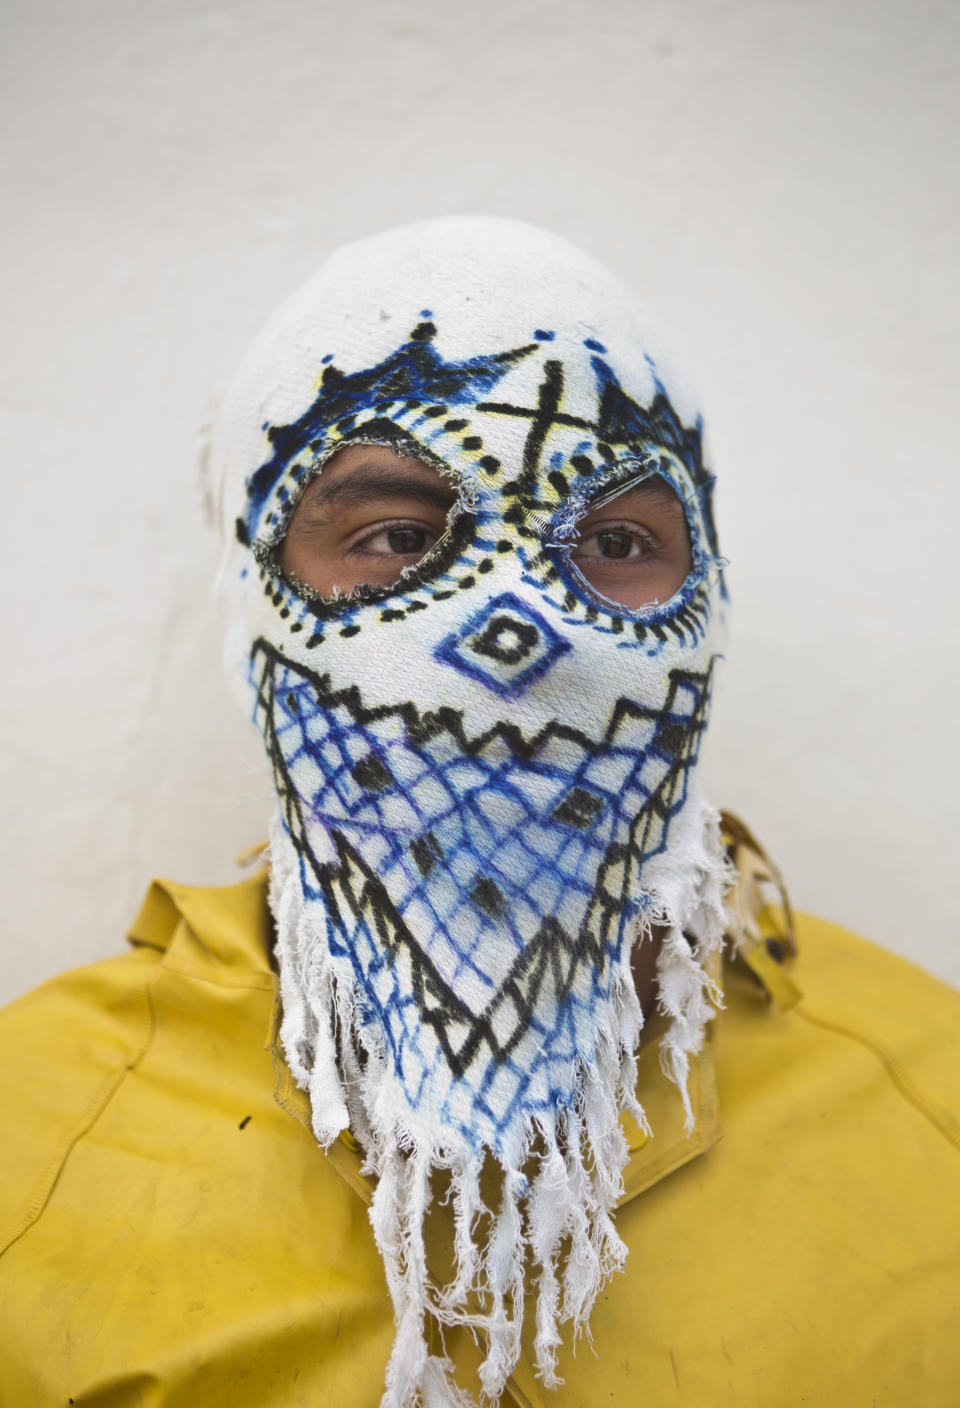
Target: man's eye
x=402 y=540
x=613 y=543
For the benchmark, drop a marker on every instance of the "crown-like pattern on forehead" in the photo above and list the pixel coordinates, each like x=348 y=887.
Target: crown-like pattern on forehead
x=414 y=374
x=415 y=383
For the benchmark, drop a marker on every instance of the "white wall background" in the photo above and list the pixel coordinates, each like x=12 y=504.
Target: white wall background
x=777 y=177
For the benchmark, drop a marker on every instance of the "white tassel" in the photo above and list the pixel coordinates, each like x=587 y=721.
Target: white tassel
x=565 y=1173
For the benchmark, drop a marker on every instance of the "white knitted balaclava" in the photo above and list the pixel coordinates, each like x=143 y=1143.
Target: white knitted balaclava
x=486 y=773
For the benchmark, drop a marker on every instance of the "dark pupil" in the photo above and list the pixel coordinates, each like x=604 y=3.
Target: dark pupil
x=615 y=544
x=404 y=540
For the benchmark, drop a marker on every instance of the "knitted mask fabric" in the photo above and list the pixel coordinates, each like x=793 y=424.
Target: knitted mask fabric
x=486 y=773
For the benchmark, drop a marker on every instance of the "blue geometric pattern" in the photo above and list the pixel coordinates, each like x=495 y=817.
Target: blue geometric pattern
x=506 y=646
x=475 y=874
x=479 y=884
x=414 y=373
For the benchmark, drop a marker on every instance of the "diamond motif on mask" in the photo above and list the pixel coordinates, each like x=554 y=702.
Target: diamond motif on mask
x=579 y=808
x=506 y=646
x=480 y=894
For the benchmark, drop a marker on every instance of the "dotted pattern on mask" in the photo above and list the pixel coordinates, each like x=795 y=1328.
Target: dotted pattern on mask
x=480 y=883
x=427 y=406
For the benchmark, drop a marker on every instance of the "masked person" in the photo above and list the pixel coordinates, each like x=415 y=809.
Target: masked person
x=474 y=604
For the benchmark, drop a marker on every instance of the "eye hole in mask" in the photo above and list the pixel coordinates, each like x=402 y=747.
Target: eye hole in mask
x=631 y=547
x=367 y=515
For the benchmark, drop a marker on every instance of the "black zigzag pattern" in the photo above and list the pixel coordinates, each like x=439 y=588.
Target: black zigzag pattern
x=554 y=967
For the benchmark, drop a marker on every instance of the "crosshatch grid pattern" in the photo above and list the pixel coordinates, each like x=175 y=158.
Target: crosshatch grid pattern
x=477 y=885
x=452 y=851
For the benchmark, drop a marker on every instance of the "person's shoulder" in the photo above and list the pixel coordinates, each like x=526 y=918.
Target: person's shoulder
x=848 y=977
x=60 y=1045
x=229 y=924
x=907 y=1019
x=219 y=932
x=831 y=978
x=850 y=1029
x=832 y=952
x=68 y=1043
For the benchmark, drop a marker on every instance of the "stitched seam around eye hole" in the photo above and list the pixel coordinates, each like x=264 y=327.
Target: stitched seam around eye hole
x=267 y=541
x=456 y=539
x=652 y=613
x=562 y=526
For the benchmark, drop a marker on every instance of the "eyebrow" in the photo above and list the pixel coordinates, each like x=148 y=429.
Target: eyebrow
x=373 y=481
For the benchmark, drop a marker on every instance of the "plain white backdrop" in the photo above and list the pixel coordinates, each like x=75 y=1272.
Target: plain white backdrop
x=778 y=179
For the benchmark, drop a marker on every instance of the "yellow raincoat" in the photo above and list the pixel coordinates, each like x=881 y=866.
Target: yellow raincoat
x=170 y=1233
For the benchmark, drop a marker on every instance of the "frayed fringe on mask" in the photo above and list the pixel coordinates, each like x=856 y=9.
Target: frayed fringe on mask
x=557 y=1197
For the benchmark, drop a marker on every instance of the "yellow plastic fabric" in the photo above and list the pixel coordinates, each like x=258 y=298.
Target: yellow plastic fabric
x=171 y=1233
